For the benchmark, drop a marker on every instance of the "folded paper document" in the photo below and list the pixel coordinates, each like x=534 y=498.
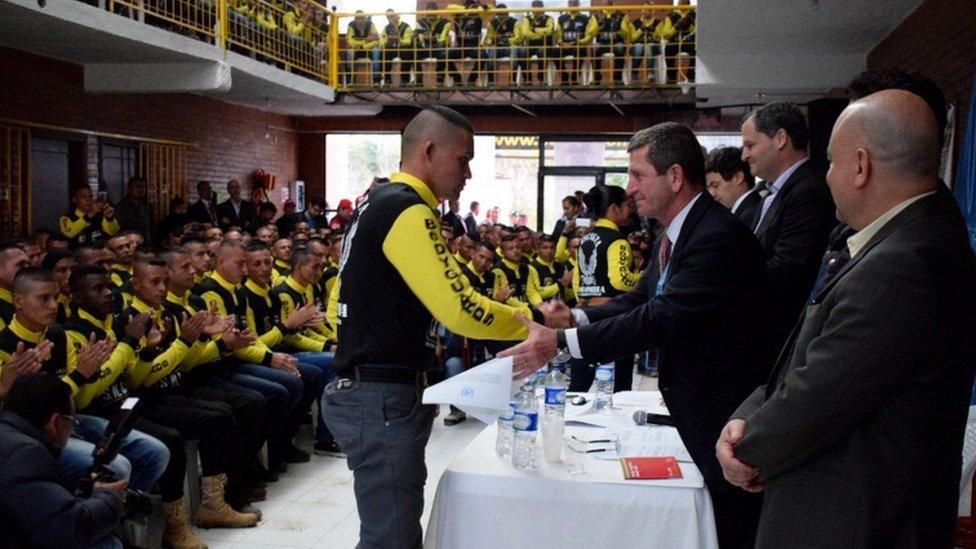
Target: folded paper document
x=482 y=392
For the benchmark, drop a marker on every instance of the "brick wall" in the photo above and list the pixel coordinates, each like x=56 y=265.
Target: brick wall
x=938 y=40
x=230 y=139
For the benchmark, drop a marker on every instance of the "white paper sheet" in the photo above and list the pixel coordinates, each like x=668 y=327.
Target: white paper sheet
x=646 y=441
x=482 y=392
x=650 y=401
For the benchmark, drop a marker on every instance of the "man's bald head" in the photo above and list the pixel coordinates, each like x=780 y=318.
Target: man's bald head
x=435 y=124
x=899 y=131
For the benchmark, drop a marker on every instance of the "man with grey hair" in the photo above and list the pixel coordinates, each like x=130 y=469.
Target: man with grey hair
x=706 y=283
x=856 y=440
x=396 y=276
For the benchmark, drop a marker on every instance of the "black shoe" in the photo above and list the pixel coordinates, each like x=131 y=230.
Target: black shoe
x=454 y=418
x=278 y=467
x=329 y=449
x=261 y=474
x=291 y=454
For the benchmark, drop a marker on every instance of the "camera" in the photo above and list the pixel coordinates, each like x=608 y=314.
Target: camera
x=138 y=504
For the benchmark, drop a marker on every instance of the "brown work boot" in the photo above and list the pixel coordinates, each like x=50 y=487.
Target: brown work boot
x=178 y=533
x=214 y=511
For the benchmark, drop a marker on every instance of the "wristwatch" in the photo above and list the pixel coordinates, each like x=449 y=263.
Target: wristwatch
x=562 y=348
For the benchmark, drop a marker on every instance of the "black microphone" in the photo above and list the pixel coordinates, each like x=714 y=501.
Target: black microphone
x=642 y=417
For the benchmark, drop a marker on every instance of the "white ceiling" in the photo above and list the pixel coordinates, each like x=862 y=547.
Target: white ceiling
x=760 y=50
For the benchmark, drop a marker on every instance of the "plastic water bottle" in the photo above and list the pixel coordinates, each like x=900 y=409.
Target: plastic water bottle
x=554 y=419
x=525 y=424
x=604 y=386
x=503 y=444
x=540 y=380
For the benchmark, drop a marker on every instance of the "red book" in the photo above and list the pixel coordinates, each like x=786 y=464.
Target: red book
x=652 y=467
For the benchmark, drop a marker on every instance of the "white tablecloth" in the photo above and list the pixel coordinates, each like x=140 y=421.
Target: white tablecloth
x=483 y=502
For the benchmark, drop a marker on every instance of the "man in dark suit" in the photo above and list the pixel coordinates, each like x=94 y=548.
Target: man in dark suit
x=728 y=180
x=471 y=220
x=707 y=286
x=795 y=218
x=204 y=210
x=235 y=212
x=856 y=440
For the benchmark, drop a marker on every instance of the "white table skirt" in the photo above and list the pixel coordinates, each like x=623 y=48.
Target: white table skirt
x=483 y=502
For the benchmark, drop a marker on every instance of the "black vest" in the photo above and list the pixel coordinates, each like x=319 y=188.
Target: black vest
x=235 y=303
x=380 y=320
x=519 y=281
x=646 y=30
x=57 y=364
x=573 y=26
x=609 y=29
x=484 y=288
x=396 y=32
x=593 y=264
x=264 y=308
x=539 y=20
x=469 y=31
x=503 y=31
x=548 y=275
x=363 y=32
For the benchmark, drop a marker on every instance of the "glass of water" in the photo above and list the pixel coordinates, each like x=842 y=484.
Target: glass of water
x=574 y=455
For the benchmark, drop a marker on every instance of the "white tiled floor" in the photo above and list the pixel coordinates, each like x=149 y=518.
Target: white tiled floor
x=313 y=504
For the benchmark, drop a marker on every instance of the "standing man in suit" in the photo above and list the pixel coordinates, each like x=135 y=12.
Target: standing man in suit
x=204 y=210
x=234 y=211
x=728 y=180
x=856 y=440
x=795 y=218
x=707 y=282
x=471 y=220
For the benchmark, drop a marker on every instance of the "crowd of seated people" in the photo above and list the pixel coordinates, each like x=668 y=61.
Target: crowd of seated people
x=480 y=44
x=219 y=331
x=469 y=44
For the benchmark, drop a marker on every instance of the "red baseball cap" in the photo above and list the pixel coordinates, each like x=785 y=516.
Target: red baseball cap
x=345 y=204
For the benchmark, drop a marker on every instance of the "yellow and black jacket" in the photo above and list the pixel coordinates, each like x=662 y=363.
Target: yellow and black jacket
x=269 y=315
x=62 y=360
x=105 y=394
x=229 y=299
x=292 y=295
x=516 y=275
x=545 y=280
x=203 y=351
x=79 y=228
x=605 y=263
x=6 y=307
x=156 y=370
x=397 y=278
x=279 y=271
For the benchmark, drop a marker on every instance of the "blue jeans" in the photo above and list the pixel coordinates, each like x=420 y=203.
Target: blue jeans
x=644 y=55
x=147 y=455
x=453 y=366
x=75 y=462
x=374 y=56
x=322 y=361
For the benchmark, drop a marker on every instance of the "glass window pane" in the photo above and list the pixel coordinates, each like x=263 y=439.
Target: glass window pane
x=555 y=188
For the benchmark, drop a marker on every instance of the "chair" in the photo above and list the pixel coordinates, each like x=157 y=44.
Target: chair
x=966 y=523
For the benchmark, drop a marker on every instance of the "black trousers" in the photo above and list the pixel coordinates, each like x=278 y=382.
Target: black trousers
x=174 y=418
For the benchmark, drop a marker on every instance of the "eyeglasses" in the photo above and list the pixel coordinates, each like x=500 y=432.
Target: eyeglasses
x=74 y=420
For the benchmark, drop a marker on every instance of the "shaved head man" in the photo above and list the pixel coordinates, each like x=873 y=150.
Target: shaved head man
x=396 y=274
x=884 y=150
x=874 y=387
x=437 y=146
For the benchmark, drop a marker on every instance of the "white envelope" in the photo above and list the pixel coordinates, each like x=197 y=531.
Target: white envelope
x=482 y=392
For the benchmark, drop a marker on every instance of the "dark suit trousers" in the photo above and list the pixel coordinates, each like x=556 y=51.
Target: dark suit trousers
x=736 y=516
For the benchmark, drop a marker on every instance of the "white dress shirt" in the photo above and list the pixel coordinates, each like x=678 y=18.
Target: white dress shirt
x=776 y=187
x=673 y=231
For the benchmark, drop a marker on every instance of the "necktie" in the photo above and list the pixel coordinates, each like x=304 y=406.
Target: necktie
x=213 y=211
x=766 y=203
x=663 y=253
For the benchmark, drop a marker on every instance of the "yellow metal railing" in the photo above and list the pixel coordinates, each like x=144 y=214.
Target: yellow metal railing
x=638 y=46
x=632 y=46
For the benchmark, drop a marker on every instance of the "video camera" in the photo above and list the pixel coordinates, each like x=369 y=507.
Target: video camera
x=138 y=504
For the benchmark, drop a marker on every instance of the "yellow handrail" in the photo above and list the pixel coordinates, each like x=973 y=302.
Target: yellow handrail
x=632 y=46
